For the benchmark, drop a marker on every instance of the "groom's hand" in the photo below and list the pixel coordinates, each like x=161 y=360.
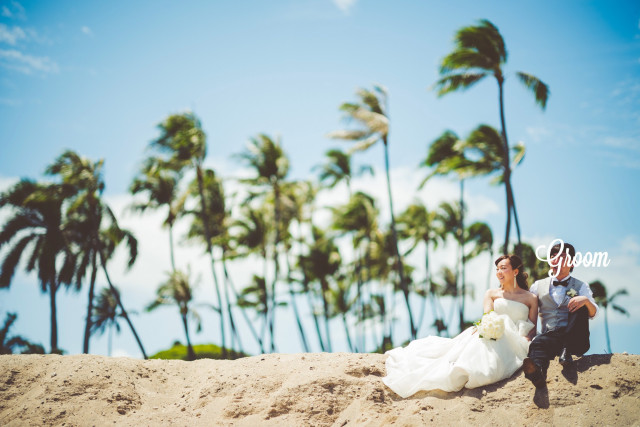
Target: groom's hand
x=577 y=302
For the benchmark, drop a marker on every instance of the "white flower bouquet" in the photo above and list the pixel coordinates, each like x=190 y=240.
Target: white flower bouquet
x=491 y=326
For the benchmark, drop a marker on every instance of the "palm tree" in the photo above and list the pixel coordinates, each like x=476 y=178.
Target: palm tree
x=480 y=234
x=37 y=223
x=371 y=113
x=184 y=140
x=337 y=168
x=445 y=156
x=321 y=265
x=480 y=52
x=219 y=224
x=359 y=217
x=105 y=315
x=537 y=269
x=271 y=166
x=8 y=345
x=600 y=295
x=484 y=144
x=420 y=226
x=177 y=290
x=83 y=224
x=249 y=237
x=158 y=180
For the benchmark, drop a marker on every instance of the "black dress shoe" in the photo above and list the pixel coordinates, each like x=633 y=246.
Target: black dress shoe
x=533 y=373
x=565 y=358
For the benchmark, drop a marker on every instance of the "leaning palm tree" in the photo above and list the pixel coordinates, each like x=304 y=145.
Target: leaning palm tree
x=185 y=142
x=177 y=290
x=90 y=226
x=481 y=236
x=158 y=181
x=371 y=114
x=105 y=316
x=480 y=52
x=11 y=344
x=321 y=265
x=420 y=226
x=34 y=232
x=337 y=168
x=359 y=217
x=271 y=166
x=604 y=300
x=484 y=145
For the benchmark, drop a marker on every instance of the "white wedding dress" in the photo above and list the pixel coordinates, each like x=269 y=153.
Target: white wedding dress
x=467 y=360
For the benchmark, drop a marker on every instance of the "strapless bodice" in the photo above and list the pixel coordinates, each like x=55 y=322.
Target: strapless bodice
x=517 y=311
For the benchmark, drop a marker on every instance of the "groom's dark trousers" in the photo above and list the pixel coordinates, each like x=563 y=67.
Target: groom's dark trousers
x=574 y=336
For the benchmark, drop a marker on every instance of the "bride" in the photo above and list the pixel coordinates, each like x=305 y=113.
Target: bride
x=468 y=360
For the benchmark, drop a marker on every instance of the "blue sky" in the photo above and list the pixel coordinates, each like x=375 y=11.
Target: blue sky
x=97 y=77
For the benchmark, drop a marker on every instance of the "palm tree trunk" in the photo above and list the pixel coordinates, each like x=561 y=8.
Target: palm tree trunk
x=92 y=284
x=171 y=250
x=307 y=290
x=507 y=167
x=119 y=301
x=423 y=307
x=324 y=287
x=294 y=305
x=207 y=234
x=517 y=223
x=606 y=329
x=346 y=331
x=276 y=264
x=403 y=284
x=53 y=288
x=191 y=355
x=462 y=257
x=110 y=340
x=242 y=311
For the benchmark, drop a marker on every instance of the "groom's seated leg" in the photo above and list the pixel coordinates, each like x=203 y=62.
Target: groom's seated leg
x=542 y=349
x=545 y=347
x=577 y=332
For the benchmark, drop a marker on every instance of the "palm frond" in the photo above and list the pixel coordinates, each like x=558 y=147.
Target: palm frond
x=454 y=82
x=539 y=89
x=350 y=135
x=11 y=260
x=465 y=59
x=364 y=144
x=619 y=309
x=519 y=151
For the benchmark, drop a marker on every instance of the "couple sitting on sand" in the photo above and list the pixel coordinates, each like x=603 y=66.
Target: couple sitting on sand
x=563 y=303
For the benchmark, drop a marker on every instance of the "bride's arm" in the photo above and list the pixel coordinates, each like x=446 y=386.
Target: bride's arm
x=533 y=317
x=487 y=304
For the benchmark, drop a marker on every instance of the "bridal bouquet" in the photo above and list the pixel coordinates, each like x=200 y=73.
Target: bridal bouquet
x=491 y=326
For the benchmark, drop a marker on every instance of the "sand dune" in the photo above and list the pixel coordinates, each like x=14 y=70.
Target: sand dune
x=299 y=390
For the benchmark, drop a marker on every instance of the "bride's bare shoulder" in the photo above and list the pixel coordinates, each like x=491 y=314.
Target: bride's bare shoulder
x=531 y=298
x=493 y=293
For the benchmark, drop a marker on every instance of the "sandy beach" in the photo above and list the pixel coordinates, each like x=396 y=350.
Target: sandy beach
x=316 y=389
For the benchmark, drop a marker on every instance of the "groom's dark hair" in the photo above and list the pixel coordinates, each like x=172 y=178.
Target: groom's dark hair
x=568 y=248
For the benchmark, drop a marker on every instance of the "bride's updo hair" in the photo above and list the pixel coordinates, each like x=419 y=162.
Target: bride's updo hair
x=516 y=264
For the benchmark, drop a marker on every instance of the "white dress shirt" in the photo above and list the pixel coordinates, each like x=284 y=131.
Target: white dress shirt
x=558 y=293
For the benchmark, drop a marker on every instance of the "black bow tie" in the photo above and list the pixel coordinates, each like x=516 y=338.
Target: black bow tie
x=557 y=282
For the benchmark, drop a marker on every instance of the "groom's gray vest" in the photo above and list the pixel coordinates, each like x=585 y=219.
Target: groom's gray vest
x=553 y=316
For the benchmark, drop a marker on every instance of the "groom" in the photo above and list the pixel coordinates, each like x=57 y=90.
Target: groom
x=565 y=306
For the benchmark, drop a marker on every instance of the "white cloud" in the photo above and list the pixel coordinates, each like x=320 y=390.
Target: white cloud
x=538 y=134
x=27 y=64
x=345 y=5
x=86 y=30
x=11 y=35
x=13 y=10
